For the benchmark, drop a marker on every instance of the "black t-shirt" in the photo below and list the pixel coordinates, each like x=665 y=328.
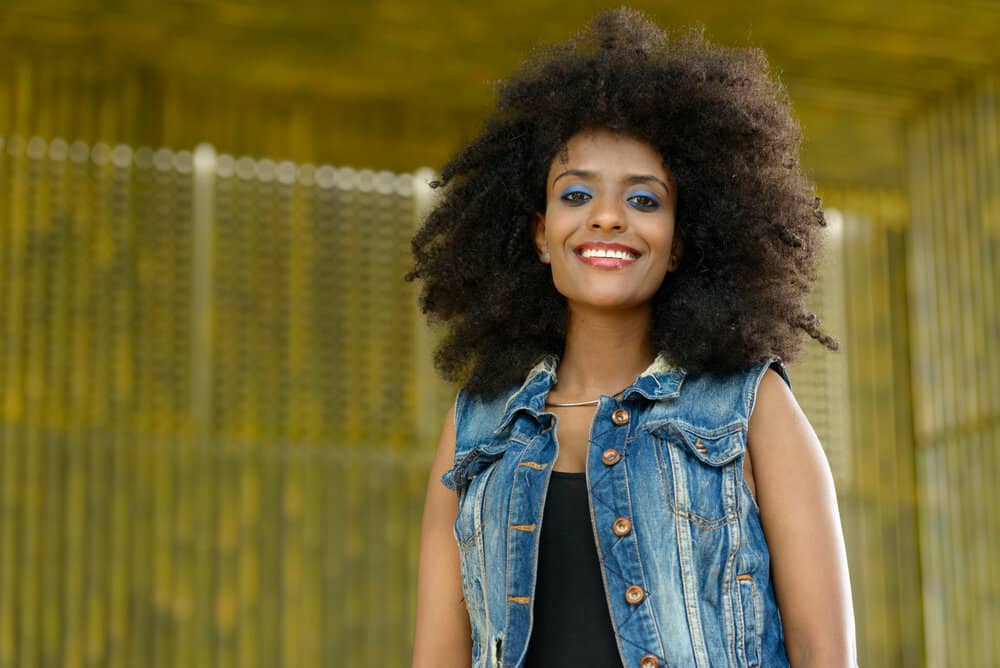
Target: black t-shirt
x=572 y=626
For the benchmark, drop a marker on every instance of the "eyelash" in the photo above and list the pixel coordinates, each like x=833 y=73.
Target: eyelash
x=653 y=204
x=651 y=201
x=568 y=196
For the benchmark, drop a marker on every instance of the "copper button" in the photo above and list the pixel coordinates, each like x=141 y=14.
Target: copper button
x=649 y=661
x=634 y=594
x=622 y=527
x=610 y=456
x=620 y=417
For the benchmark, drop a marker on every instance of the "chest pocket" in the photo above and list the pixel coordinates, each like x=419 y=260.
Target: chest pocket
x=699 y=470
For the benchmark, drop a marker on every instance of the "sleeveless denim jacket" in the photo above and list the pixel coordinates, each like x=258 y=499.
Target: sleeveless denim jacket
x=678 y=534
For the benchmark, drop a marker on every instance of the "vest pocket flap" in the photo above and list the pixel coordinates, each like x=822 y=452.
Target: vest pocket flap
x=472 y=464
x=714 y=447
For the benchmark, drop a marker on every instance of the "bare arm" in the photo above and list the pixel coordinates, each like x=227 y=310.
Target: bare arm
x=801 y=522
x=443 y=637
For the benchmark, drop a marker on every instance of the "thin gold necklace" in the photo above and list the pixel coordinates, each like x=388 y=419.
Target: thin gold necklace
x=585 y=403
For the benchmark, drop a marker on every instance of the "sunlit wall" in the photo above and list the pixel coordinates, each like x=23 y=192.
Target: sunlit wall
x=954 y=285
x=208 y=452
x=217 y=403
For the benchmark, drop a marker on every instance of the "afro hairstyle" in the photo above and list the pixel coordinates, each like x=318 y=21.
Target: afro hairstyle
x=748 y=217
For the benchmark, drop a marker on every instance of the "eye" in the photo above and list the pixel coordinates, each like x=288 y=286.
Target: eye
x=576 y=195
x=644 y=201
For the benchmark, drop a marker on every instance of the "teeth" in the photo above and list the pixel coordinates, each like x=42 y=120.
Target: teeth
x=601 y=252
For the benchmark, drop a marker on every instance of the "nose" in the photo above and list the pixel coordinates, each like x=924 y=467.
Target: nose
x=607 y=214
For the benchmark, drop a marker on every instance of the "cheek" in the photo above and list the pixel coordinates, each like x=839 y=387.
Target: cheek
x=660 y=235
x=557 y=230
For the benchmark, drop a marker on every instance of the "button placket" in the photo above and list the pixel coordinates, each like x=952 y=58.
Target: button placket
x=617 y=548
x=526 y=501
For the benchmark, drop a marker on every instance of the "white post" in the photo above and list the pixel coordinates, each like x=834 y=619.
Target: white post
x=203 y=205
x=427 y=421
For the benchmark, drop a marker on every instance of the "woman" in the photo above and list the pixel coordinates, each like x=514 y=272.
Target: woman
x=622 y=258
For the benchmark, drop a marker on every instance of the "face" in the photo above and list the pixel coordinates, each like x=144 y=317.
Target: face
x=608 y=226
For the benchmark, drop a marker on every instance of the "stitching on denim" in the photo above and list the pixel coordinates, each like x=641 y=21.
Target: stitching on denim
x=660 y=470
x=466 y=543
x=745 y=487
x=728 y=604
x=459 y=408
x=605 y=504
x=704 y=523
x=481 y=496
x=616 y=624
x=626 y=622
x=685 y=549
x=706 y=433
x=748 y=640
x=536 y=535
x=755 y=378
x=638 y=560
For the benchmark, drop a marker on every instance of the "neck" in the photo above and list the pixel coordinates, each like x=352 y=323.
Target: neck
x=604 y=352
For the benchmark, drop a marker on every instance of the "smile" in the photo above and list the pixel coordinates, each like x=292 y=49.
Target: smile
x=607 y=256
x=599 y=252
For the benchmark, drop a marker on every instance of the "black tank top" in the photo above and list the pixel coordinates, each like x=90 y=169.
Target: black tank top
x=571 y=624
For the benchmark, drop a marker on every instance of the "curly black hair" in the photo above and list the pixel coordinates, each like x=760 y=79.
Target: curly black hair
x=748 y=217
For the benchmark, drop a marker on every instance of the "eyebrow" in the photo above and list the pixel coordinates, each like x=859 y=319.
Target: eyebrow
x=636 y=178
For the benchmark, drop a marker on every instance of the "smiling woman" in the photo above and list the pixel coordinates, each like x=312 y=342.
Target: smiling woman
x=622 y=257
x=608 y=208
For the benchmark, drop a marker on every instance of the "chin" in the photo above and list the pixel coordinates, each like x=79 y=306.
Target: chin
x=613 y=302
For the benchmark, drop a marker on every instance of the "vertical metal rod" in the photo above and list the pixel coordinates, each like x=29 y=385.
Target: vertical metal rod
x=203 y=213
x=427 y=422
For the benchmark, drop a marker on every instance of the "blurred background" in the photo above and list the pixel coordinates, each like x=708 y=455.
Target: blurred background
x=217 y=404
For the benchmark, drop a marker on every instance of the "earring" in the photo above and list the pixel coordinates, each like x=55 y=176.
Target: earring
x=673 y=260
x=544 y=256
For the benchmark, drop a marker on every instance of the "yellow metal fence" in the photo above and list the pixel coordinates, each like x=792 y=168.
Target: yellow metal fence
x=208 y=447
x=954 y=172
x=217 y=405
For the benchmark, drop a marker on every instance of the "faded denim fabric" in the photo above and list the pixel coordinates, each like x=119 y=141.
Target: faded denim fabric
x=689 y=584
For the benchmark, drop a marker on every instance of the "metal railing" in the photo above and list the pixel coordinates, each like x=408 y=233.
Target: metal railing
x=213 y=438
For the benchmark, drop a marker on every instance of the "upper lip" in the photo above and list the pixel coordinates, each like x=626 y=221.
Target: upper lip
x=606 y=246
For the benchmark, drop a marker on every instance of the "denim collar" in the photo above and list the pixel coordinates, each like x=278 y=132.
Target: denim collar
x=660 y=380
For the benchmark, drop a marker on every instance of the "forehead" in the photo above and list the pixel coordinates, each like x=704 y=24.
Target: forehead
x=606 y=151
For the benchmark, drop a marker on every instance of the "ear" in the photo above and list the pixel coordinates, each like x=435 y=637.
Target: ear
x=538 y=233
x=677 y=250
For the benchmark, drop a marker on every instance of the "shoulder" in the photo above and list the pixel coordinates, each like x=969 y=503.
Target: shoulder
x=473 y=411
x=476 y=417
x=778 y=431
x=772 y=400
x=733 y=393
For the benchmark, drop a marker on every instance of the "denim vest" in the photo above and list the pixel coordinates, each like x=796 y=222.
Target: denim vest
x=685 y=565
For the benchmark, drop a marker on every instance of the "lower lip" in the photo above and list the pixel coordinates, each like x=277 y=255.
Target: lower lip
x=606 y=262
